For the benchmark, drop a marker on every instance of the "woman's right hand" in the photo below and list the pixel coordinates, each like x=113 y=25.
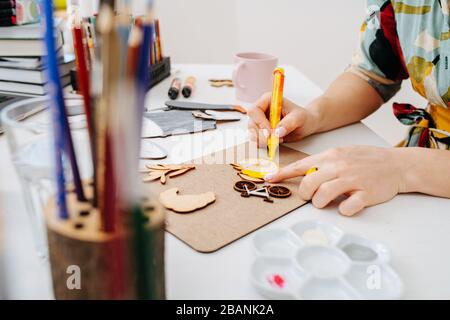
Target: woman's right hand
x=296 y=122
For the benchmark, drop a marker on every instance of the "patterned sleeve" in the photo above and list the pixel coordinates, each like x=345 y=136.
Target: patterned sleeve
x=379 y=60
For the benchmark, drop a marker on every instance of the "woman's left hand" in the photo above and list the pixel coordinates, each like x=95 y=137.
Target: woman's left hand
x=367 y=175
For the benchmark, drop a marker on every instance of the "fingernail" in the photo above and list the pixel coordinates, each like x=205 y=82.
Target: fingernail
x=280 y=132
x=265 y=133
x=269 y=176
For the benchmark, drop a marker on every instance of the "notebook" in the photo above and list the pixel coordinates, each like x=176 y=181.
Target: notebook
x=36 y=75
x=27 y=40
x=20 y=87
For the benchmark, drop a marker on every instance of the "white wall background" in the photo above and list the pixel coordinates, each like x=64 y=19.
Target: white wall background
x=318 y=37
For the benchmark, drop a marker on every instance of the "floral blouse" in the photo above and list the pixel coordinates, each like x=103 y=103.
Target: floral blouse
x=410 y=39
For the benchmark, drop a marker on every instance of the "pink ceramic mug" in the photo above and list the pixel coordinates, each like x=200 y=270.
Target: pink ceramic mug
x=252 y=75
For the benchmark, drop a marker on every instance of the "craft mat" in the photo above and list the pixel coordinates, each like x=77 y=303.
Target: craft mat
x=231 y=216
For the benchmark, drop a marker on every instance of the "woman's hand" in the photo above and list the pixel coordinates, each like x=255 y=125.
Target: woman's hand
x=367 y=175
x=296 y=122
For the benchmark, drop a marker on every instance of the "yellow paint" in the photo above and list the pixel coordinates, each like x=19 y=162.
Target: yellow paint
x=254 y=174
x=445 y=36
x=272 y=145
x=312 y=170
x=276 y=105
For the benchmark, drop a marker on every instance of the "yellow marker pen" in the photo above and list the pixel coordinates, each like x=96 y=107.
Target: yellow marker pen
x=276 y=105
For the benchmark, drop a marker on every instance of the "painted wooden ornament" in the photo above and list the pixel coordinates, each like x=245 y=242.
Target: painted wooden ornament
x=164 y=171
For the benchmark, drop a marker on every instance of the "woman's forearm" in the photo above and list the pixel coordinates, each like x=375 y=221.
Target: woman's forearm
x=348 y=99
x=425 y=171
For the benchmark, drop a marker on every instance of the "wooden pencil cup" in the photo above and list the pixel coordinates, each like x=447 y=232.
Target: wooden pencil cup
x=87 y=263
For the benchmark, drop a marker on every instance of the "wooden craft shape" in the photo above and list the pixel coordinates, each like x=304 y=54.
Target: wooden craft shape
x=230 y=217
x=170 y=199
x=162 y=171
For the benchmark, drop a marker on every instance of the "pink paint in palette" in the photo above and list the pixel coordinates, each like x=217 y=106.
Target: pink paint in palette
x=277 y=281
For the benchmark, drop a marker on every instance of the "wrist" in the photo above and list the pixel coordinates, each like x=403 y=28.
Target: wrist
x=405 y=166
x=314 y=117
x=316 y=110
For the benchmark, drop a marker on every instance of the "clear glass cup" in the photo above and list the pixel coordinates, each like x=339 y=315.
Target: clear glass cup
x=28 y=127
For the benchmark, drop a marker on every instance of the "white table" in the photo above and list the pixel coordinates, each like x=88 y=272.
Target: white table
x=415 y=227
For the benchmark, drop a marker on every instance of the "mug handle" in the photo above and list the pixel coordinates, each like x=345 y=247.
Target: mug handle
x=236 y=73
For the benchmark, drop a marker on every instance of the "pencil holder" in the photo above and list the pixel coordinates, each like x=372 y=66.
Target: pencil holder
x=87 y=263
x=159 y=71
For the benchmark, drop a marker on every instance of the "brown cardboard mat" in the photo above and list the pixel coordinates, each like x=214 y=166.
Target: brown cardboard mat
x=231 y=216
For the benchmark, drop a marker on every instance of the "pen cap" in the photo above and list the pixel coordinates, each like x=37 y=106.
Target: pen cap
x=276 y=102
x=279 y=70
x=188 y=86
x=174 y=89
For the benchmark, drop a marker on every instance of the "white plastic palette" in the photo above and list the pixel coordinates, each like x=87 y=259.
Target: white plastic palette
x=315 y=260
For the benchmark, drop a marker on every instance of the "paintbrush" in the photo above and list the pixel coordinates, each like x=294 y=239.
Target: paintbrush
x=110 y=55
x=84 y=80
x=107 y=157
x=141 y=235
x=123 y=29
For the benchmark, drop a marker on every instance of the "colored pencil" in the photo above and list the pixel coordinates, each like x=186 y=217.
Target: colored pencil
x=134 y=45
x=142 y=253
x=114 y=105
x=55 y=85
x=123 y=30
x=55 y=93
x=143 y=70
x=110 y=54
x=84 y=84
x=70 y=152
x=159 y=54
x=142 y=248
x=83 y=77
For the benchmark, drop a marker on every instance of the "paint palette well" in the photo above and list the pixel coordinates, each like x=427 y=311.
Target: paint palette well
x=316 y=260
